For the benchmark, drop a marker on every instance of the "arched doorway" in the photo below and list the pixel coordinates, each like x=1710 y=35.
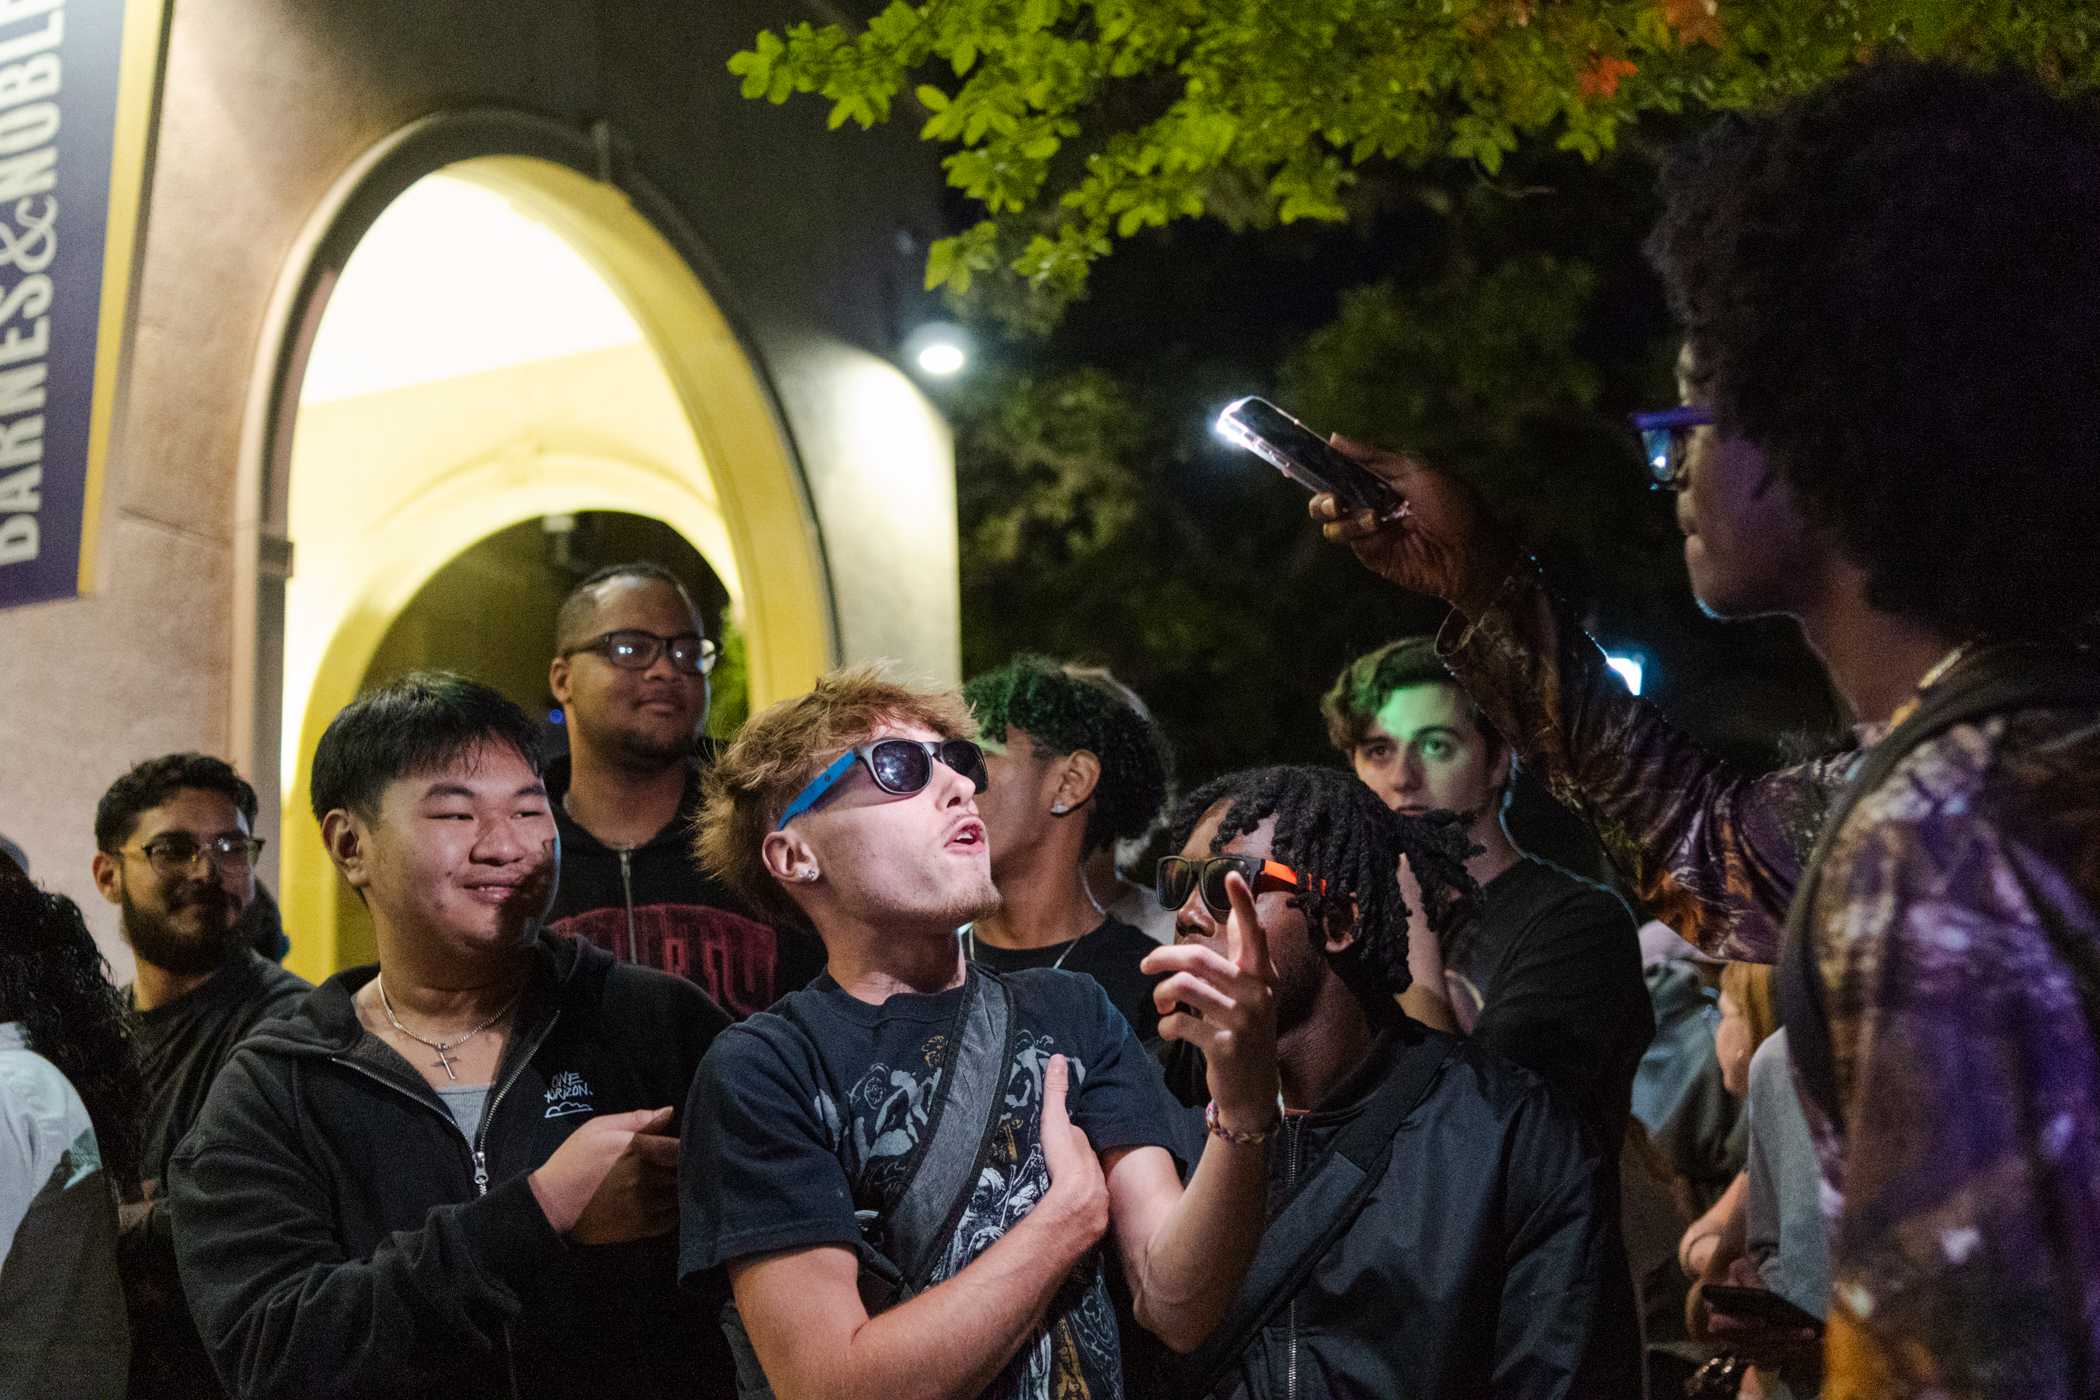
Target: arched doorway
x=438 y=417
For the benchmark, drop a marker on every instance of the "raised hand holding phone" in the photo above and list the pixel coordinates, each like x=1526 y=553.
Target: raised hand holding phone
x=1260 y=427
x=1445 y=544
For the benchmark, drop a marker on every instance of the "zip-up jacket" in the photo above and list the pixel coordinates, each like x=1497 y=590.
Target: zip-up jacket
x=340 y=1236
x=651 y=904
x=1478 y=1264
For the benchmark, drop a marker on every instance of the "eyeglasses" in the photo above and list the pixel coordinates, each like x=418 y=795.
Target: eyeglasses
x=178 y=852
x=1665 y=438
x=634 y=650
x=1175 y=876
x=899 y=766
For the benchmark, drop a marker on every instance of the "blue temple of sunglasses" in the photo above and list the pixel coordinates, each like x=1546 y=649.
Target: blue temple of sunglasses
x=814 y=792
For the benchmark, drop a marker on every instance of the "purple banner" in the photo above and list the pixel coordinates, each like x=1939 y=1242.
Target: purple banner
x=62 y=75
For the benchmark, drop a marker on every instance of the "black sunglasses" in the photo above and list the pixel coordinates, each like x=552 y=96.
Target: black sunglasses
x=1175 y=876
x=899 y=766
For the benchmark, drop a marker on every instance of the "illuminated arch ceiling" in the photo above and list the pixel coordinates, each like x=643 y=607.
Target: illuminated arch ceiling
x=510 y=340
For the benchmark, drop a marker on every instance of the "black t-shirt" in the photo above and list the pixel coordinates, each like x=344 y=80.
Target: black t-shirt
x=182 y=1046
x=802 y=1116
x=1110 y=954
x=1549 y=977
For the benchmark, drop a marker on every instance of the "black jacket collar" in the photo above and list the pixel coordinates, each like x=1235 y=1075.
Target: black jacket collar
x=326 y=1023
x=576 y=837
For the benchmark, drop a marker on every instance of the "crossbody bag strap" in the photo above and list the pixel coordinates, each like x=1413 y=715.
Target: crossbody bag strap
x=960 y=1123
x=2001 y=681
x=1321 y=1210
x=958 y=1133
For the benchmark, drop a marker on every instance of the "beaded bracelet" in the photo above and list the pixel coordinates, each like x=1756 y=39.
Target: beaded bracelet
x=1217 y=1127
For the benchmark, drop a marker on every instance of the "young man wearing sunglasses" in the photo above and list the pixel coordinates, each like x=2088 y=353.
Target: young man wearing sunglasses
x=175 y=851
x=630 y=674
x=1890 y=291
x=815 y=1126
x=1440 y=1217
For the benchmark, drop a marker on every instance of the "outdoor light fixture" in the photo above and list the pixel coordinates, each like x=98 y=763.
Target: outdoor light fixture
x=1629 y=669
x=939 y=349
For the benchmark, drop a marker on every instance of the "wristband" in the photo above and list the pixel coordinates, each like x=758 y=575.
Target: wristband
x=1217 y=1128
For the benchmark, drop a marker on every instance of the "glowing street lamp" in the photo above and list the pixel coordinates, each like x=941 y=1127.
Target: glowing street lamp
x=939 y=349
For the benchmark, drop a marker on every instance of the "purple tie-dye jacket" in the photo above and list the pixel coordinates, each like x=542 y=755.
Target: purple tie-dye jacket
x=1965 y=1195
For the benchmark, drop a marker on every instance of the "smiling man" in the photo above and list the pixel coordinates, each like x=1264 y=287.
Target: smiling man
x=450 y=1174
x=175 y=851
x=630 y=673
x=1023 y=1097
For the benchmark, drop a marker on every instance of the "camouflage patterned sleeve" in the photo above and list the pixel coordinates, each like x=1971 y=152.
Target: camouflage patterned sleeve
x=1965 y=1257
x=1709 y=850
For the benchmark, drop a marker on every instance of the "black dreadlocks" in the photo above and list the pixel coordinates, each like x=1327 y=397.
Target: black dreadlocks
x=53 y=981
x=1347 y=845
x=1065 y=710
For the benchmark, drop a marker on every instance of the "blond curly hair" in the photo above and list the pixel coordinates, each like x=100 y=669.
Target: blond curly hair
x=781 y=748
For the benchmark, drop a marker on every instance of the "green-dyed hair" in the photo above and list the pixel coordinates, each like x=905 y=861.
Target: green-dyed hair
x=1346 y=846
x=1068 y=709
x=1360 y=691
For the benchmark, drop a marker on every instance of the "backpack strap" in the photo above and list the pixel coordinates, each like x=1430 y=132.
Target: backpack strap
x=961 y=1121
x=1321 y=1210
x=959 y=1132
x=2002 y=680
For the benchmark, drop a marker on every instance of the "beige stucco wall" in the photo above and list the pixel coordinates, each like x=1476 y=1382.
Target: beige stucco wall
x=265 y=104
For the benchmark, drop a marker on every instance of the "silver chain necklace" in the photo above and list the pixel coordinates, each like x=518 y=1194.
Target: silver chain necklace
x=443 y=1047
x=970 y=929
x=970 y=937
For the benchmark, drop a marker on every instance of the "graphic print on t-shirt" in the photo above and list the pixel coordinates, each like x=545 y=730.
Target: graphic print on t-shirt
x=1078 y=1354
x=734 y=958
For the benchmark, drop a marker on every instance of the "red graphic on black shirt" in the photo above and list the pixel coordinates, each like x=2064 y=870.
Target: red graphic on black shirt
x=736 y=959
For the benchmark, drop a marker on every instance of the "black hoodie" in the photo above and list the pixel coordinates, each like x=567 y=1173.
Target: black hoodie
x=1482 y=1263
x=339 y=1236
x=650 y=904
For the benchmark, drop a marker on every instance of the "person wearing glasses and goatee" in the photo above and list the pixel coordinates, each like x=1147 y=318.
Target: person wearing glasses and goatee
x=918 y=1172
x=1441 y=1222
x=175 y=852
x=630 y=674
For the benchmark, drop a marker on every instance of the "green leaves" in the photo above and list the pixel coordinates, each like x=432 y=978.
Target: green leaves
x=1087 y=121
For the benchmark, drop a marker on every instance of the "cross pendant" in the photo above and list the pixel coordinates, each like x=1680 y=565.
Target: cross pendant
x=445 y=1063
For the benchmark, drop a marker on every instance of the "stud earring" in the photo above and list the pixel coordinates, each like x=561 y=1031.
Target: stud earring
x=806 y=876
x=1059 y=809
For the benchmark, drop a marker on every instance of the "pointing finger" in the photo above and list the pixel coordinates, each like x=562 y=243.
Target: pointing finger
x=1248 y=940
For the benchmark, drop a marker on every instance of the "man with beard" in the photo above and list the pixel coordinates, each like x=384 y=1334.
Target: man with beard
x=630 y=674
x=175 y=851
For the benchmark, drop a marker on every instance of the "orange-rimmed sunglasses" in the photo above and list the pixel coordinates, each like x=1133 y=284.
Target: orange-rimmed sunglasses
x=1176 y=876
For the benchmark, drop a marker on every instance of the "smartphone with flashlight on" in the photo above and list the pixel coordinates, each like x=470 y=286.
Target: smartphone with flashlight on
x=1305 y=457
